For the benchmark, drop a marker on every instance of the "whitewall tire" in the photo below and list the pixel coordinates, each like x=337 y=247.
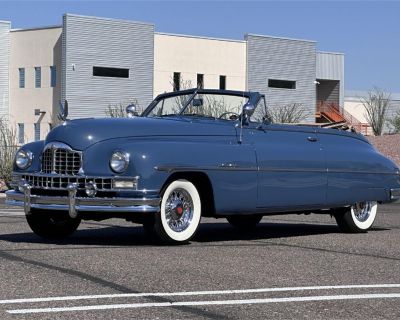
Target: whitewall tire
x=357 y=218
x=180 y=213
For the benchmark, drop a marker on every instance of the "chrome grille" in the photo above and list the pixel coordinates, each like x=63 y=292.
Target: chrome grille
x=59 y=160
x=61 y=182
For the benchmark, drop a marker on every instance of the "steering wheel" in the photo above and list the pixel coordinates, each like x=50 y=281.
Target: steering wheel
x=234 y=115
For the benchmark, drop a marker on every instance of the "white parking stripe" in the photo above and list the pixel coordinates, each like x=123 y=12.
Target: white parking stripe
x=12 y=214
x=196 y=293
x=207 y=303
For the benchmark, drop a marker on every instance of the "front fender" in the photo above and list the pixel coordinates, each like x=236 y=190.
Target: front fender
x=231 y=167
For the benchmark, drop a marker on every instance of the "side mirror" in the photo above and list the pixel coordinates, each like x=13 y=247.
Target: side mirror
x=63 y=111
x=248 y=109
x=132 y=111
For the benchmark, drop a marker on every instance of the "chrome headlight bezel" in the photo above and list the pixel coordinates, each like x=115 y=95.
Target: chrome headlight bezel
x=23 y=159
x=119 y=161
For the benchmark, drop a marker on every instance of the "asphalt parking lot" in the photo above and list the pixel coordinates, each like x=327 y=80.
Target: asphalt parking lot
x=290 y=267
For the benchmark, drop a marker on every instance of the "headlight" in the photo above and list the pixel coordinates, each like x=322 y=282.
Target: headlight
x=23 y=159
x=119 y=161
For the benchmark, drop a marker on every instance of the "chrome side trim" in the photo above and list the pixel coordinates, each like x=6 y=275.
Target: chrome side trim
x=16 y=198
x=223 y=167
x=229 y=167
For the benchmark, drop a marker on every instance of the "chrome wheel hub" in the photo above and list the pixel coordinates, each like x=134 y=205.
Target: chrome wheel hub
x=362 y=211
x=179 y=210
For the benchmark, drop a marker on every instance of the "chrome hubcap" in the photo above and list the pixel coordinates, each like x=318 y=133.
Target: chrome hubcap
x=179 y=210
x=362 y=211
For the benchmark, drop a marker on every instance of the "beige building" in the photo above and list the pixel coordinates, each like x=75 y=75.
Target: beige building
x=197 y=61
x=35 y=65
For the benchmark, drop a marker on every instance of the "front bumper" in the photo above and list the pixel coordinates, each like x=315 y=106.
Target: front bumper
x=74 y=204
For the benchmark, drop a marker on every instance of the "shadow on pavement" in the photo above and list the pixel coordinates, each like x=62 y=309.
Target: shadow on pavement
x=207 y=233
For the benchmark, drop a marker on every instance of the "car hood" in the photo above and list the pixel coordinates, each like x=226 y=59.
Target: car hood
x=82 y=133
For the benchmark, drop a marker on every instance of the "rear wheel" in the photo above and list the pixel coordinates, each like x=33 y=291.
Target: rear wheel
x=54 y=225
x=244 y=222
x=357 y=218
x=180 y=213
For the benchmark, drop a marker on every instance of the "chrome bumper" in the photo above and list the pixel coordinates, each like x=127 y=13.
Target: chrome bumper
x=74 y=204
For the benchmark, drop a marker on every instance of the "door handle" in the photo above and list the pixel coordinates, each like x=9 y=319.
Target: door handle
x=312 y=139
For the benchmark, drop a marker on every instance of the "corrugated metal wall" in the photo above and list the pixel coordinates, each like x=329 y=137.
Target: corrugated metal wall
x=92 y=41
x=330 y=66
x=4 y=68
x=283 y=59
x=329 y=91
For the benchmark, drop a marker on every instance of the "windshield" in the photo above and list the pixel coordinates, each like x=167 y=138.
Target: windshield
x=216 y=106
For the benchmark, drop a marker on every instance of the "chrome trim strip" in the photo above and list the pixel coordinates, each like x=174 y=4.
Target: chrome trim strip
x=224 y=167
x=16 y=198
x=210 y=168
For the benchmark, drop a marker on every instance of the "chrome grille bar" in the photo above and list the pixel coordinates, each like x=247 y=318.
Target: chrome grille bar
x=58 y=158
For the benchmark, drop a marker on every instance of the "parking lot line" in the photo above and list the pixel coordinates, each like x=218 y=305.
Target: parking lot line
x=197 y=293
x=208 y=303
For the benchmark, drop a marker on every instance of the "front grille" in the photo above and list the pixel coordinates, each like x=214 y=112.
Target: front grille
x=61 y=161
x=61 y=183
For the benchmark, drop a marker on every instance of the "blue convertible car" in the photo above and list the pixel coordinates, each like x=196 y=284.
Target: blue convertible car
x=197 y=153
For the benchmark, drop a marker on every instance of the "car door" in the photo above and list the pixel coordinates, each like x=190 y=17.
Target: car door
x=291 y=166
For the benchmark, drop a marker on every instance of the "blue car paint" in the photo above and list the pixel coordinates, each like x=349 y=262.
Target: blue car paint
x=275 y=168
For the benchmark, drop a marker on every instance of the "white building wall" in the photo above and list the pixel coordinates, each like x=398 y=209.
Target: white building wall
x=30 y=49
x=195 y=55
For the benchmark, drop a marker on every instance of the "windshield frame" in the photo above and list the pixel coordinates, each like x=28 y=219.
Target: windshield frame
x=253 y=98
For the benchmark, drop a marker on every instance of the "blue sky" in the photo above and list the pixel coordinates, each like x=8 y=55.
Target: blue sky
x=368 y=32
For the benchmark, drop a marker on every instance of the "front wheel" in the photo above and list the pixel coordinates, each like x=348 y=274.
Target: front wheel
x=180 y=213
x=357 y=218
x=53 y=225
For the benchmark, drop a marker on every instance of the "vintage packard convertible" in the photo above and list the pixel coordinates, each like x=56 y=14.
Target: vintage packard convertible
x=198 y=153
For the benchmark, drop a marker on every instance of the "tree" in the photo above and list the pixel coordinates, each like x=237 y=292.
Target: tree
x=290 y=113
x=376 y=106
x=395 y=122
x=8 y=148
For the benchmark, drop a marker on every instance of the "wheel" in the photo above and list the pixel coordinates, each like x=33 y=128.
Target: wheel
x=180 y=213
x=245 y=222
x=357 y=218
x=52 y=224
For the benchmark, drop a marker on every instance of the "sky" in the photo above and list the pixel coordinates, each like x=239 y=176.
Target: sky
x=367 y=32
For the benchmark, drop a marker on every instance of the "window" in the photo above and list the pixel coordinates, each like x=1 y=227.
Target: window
x=177 y=81
x=21 y=77
x=53 y=76
x=281 y=84
x=38 y=77
x=222 y=82
x=200 y=81
x=110 y=72
x=37 y=131
x=21 y=133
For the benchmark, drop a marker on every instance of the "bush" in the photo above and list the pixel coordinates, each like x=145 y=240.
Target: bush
x=8 y=148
